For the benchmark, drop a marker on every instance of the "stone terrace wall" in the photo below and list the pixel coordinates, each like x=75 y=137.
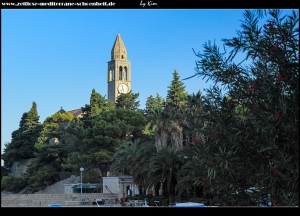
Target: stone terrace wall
x=43 y=200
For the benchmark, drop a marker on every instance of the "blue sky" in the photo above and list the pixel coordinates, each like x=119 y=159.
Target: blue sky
x=55 y=57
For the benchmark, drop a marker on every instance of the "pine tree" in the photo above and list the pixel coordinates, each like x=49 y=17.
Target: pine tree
x=154 y=107
x=128 y=101
x=171 y=124
x=23 y=139
x=98 y=103
x=177 y=96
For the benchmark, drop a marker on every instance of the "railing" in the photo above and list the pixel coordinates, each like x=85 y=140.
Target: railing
x=137 y=203
x=115 y=197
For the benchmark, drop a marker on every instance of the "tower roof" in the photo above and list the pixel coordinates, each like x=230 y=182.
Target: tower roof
x=118 y=52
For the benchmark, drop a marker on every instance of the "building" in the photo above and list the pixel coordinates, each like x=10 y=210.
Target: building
x=119 y=71
x=124 y=186
x=77 y=113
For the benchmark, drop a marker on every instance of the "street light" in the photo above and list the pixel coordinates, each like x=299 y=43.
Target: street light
x=81 y=170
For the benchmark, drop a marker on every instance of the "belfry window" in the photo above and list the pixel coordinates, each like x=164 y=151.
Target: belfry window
x=110 y=75
x=120 y=73
x=125 y=73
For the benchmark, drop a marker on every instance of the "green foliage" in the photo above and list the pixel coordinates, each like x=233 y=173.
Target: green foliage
x=171 y=123
x=250 y=135
x=94 y=146
x=177 y=96
x=112 y=126
x=243 y=133
x=133 y=158
x=128 y=101
x=164 y=167
x=46 y=167
x=153 y=111
x=59 y=118
x=13 y=184
x=98 y=103
x=53 y=127
x=154 y=106
x=29 y=119
x=148 y=167
x=4 y=171
x=91 y=175
x=23 y=139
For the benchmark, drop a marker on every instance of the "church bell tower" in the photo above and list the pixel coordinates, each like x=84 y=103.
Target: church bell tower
x=119 y=71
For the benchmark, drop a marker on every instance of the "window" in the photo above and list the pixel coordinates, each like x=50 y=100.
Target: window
x=125 y=73
x=120 y=73
x=110 y=75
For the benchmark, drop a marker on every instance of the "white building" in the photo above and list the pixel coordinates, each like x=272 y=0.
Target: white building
x=122 y=185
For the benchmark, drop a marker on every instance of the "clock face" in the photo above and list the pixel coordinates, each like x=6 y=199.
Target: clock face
x=123 y=88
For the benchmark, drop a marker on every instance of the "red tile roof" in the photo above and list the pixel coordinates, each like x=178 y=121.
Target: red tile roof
x=76 y=112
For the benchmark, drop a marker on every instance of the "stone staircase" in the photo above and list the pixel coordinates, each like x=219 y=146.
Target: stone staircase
x=56 y=194
x=43 y=200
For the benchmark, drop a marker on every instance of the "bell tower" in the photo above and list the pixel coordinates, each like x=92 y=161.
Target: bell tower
x=119 y=71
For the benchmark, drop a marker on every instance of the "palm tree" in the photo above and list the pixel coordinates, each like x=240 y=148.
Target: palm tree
x=170 y=128
x=125 y=157
x=192 y=175
x=140 y=170
x=133 y=158
x=164 y=167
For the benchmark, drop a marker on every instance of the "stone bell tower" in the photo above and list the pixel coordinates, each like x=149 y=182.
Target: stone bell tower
x=119 y=71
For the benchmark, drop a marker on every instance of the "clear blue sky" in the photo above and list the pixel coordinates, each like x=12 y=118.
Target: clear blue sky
x=56 y=57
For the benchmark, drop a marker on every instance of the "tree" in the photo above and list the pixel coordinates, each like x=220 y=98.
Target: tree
x=46 y=167
x=163 y=169
x=98 y=103
x=4 y=171
x=94 y=146
x=12 y=183
x=23 y=139
x=125 y=158
x=177 y=96
x=192 y=175
x=128 y=101
x=154 y=108
x=258 y=147
x=171 y=125
x=32 y=119
x=53 y=127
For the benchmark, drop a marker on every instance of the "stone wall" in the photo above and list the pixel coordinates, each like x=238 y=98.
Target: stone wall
x=19 y=168
x=43 y=200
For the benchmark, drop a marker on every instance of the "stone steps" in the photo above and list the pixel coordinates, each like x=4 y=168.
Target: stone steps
x=43 y=200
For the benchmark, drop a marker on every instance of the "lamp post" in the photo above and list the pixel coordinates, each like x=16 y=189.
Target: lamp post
x=81 y=170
